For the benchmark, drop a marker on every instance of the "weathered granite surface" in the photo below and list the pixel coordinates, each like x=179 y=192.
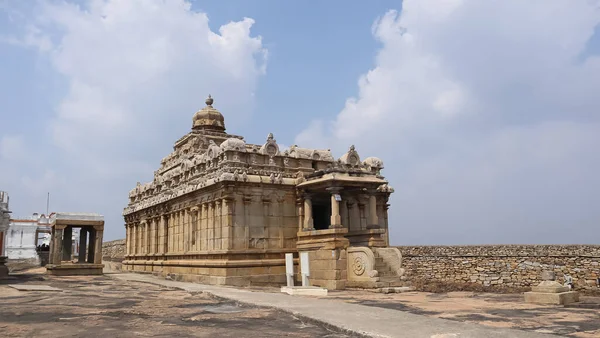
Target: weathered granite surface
x=501 y=266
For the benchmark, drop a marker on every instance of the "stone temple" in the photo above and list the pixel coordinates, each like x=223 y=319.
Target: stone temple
x=223 y=211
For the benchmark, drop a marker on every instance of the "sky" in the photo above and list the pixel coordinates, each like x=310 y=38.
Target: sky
x=486 y=114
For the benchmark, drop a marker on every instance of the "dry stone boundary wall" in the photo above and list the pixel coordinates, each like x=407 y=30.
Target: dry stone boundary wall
x=500 y=267
x=113 y=253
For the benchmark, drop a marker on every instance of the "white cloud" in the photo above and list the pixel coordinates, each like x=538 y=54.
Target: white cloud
x=486 y=116
x=136 y=72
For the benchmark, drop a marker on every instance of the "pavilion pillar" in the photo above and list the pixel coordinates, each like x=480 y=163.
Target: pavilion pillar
x=98 y=246
x=373 y=219
x=308 y=218
x=336 y=219
x=82 y=245
x=300 y=213
x=67 y=243
x=92 y=246
x=57 y=244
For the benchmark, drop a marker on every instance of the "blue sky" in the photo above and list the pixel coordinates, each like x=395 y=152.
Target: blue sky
x=484 y=113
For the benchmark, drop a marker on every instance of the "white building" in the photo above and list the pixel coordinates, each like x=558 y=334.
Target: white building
x=4 y=221
x=25 y=234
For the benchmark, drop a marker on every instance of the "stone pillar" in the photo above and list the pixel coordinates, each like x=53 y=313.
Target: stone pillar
x=67 y=243
x=300 y=214
x=98 y=247
x=308 y=219
x=373 y=219
x=82 y=245
x=92 y=246
x=336 y=219
x=57 y=244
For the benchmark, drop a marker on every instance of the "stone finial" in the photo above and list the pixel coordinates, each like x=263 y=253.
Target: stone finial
x=270 y=137
x=352 y=148
x=209 y=100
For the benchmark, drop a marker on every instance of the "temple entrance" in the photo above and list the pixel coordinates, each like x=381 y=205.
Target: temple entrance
x=321 y=212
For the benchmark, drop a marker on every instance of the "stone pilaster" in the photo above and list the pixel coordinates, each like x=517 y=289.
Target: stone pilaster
x=204 y=227
x=247 y=220
x=351 y=209
x=218 y=224
x=210 y=222
x=228 y=211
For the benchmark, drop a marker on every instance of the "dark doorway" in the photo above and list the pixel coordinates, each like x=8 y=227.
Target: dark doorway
x=322 y=215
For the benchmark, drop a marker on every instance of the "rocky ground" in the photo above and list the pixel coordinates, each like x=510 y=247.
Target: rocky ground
x=103 y=307
x=496 y=310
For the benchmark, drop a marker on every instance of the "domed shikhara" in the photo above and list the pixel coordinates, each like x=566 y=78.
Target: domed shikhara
x=208 y=118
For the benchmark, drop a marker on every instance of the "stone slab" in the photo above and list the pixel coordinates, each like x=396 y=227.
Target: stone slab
x=561 y=298
x=33 y=287
x=304 y=290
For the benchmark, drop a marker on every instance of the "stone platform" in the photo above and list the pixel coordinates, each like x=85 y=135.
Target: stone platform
x=74 y=269
x=562 y=298
x=551 y=292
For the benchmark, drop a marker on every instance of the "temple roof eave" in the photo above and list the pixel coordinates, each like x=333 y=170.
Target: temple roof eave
x=341 y=179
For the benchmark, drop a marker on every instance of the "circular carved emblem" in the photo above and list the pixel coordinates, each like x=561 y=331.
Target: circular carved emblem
x=358 y=266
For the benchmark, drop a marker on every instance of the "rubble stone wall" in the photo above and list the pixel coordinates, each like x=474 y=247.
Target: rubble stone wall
x=496 y=267
x=113 y=253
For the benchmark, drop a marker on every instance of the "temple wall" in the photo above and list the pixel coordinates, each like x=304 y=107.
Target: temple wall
x=497 y=267
x=250 y=229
